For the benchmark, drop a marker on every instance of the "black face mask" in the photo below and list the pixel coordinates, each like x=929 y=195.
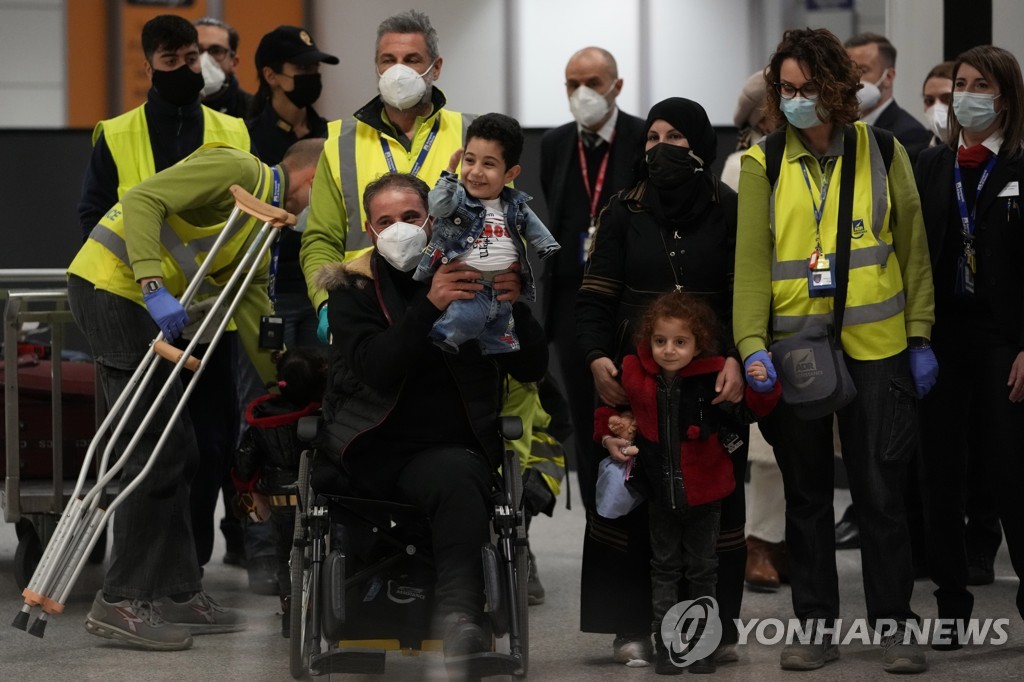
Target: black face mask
x=306 y=91
x=179 y=87
x=669 y=165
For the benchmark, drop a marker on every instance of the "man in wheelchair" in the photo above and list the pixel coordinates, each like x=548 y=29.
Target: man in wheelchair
x=406 y=421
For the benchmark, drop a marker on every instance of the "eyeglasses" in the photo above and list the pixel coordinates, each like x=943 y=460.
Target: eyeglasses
x=217 y=52
x=808 y=90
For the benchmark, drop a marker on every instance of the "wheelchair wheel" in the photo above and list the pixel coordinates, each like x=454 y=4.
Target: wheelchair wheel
x=300 y=614
x=521 y=559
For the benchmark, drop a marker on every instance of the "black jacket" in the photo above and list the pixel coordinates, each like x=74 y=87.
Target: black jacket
x=564 y=194
x=380 y=358
x=270 y=448
x=907 y=129
x=631 y=265
x=999 y=232
x=233 y=100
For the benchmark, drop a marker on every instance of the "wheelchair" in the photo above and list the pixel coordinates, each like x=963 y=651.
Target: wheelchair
x=362 y=578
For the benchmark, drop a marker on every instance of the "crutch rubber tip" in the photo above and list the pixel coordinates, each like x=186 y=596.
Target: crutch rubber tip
x=21 y=620
x=38 y=628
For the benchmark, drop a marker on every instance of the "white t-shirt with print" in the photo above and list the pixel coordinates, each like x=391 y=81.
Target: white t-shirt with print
x=493 y=249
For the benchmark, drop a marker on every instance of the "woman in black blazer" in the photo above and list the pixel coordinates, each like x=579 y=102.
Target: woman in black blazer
x=970 y=196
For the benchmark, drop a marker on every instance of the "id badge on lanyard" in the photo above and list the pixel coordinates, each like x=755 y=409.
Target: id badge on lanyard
x=821 y=280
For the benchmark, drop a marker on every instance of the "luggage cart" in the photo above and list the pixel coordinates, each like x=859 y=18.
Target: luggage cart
x=82 y=520
x=35 y=492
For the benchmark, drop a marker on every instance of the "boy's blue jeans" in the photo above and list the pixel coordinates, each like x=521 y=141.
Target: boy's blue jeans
x=482 y=317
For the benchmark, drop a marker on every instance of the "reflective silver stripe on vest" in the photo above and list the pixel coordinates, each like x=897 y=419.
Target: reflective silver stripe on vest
x=544 y=452
x=861 y=314
x=111 y=240
x=356 y=238
x=859 y=258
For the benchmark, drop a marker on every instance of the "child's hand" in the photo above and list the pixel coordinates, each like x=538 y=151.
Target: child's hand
x=757 y=371
x=453 y=163
x=620 y=449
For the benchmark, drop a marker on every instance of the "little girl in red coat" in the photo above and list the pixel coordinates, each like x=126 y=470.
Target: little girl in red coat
x=681 y=453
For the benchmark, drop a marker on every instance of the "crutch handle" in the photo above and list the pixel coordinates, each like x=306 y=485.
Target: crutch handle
x=247 y=203
x=169 y=352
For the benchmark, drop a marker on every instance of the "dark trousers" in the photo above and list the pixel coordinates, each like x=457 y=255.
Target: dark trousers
x=154 y=552
x=969 y=414
x=578 y=383
x=212 y=409
x=683 y=543
x=451 y=486
x=878 y=434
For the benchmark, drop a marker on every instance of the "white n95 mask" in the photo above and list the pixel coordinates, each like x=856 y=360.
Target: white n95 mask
x=401 y=87
x=588 y=106
x=401 y=245
x=213 y=75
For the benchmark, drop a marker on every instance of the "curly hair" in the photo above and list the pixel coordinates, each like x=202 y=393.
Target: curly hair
x=1000 y=66
x=502 y=129
x=823 y=56
x=302 y=375
x=692 y=310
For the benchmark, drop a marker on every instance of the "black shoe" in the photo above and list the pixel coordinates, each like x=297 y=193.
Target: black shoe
x=981 y=570
x=704 y=666
x=263 y=576
x=463 y=637
x=848 y=531
x=663 y=664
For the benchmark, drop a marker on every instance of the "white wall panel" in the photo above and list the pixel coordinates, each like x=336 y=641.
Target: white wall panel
x=550 y=31
x=32 y=64
x=702 y=51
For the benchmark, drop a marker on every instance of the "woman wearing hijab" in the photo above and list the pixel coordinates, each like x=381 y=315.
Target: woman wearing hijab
x=674 y=229
x=785 y=257
x=970 y=189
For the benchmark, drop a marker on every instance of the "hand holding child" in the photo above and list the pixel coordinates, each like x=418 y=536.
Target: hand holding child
x=620 y=445
x=757 y=371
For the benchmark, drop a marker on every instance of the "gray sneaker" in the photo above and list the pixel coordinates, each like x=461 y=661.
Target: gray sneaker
x=899 y=655
x=808 y=656
x=202 y=615
x=135 y=622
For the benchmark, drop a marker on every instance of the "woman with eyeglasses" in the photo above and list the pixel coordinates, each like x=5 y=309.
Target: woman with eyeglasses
x=970 y=189
x=785 y=282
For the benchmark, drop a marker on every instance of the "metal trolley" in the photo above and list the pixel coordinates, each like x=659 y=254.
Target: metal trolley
x=34 y=504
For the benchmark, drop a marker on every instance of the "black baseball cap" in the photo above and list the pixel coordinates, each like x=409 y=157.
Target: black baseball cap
x=290 y=44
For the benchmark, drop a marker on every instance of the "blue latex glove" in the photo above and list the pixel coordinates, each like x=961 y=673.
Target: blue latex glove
x=769 y=383
x=167 y=312
x=924 y=368
x=323 y=330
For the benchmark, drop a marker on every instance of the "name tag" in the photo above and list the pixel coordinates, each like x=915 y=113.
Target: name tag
x=1012 y=189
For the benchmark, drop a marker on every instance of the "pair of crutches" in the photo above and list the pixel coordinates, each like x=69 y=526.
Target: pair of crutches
x=80 y=525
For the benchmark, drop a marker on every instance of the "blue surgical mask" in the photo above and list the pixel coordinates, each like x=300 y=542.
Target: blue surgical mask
x=801 y=112
x=974 y=110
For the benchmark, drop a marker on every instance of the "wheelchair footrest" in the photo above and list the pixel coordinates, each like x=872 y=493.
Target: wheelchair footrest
x=348 y=660
x=487 y=664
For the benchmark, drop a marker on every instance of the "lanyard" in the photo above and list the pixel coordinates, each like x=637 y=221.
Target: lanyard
x=275 y=199
x=423 y=152
x=968 y=220
x=594 y=194
x=819 y=210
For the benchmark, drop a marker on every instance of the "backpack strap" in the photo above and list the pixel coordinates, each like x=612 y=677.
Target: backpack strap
x=774 y=148
x=886 y=146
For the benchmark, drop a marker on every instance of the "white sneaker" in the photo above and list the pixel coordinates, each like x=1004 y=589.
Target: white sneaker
x=633 y=650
